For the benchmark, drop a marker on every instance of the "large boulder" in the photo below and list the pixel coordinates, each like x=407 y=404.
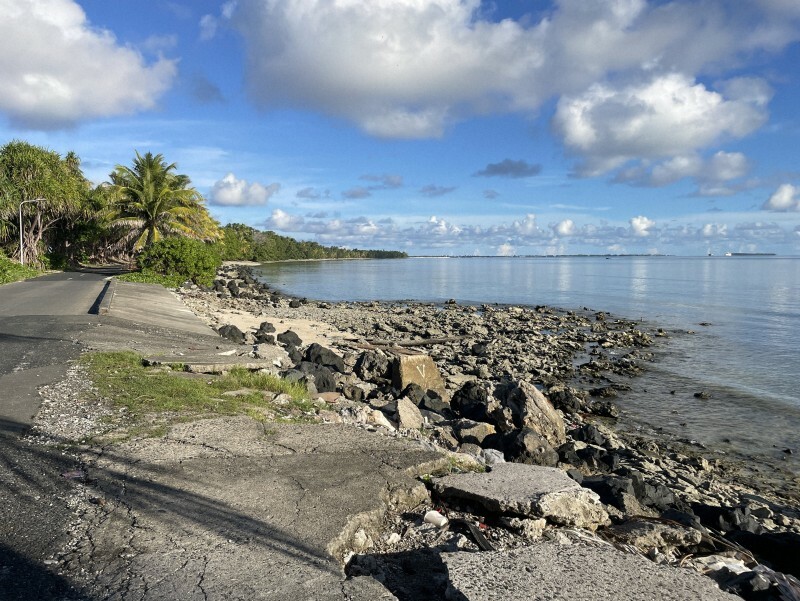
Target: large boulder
x=522 y=405
x=232 y=333
x=528 y=446
x=417 y=369
x=289 y=338
x=472 y=401
x=408 y=415
x=372 y=366
x=320 y=355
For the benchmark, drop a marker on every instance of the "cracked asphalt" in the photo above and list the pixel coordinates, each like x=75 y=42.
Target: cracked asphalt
x=218 y=509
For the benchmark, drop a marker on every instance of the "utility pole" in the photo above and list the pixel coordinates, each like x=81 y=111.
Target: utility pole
x=21 y=249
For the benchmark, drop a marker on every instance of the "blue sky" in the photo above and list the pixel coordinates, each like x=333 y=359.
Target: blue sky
x=435 y=126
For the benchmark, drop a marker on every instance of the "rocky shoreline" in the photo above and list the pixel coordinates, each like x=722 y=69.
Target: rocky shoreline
x=506 y=386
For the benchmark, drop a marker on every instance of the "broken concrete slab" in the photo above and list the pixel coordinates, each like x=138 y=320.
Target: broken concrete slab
x=417 y=369
x=572 y=572
x=649 y=534
x=233 y=508
x=526 y=490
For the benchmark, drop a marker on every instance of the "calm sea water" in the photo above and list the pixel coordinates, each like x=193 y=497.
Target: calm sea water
x=746 y=358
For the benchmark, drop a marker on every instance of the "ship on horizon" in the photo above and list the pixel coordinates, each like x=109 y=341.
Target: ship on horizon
x=731 y=254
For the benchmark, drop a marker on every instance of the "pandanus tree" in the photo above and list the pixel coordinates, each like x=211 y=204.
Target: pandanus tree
x=154 y=201
x=48 y=190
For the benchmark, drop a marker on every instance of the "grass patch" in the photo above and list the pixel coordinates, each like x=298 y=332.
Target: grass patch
x=154 y=397
x=149 y=277
x=11 y=271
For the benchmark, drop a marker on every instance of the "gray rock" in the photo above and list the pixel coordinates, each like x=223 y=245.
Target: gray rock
x=408 y=415
x=289 y=338
x=645 y=535
x=372 y=365
x=469 y=431
x=526 y=490
x=522 y=405
x=528 y=446
x=232 y=333
x=492 y=456
x=316 y=353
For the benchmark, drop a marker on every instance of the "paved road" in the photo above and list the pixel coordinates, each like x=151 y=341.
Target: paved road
x=40 y=323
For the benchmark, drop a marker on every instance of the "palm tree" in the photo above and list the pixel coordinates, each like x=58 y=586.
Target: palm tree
x=154 y=201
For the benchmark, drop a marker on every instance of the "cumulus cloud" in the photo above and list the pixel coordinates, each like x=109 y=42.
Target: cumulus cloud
x=786 y=198
x=233 y=192
x=410 y=68
x=505 y=250
x=509 y=168
x=432 y=191
x=59 y=70
x=667 y=116
x=641 y=226
x=565 y=228
x=714 y=176
x=438 y=234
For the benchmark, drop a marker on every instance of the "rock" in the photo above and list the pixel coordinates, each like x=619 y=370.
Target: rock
x=322 y=377
x=472 y=432
x=781 y=550
x=376 y=416
x=528 y=491
x=726 y=519
x=417 y=369
x=320 y=355
x=289 y=338
x=266 y=327
x=437 y=404
x=524 y=406
x=232 y=333
x=565 y=398
x=353 y=393
x=264 y=338
x=492 y=456
x=472 y=401
x=530 y=529
x=294 y=304
x=414 y=393
x=645 y=535
x=408 y=415
x=528 y=446
x=372 y=365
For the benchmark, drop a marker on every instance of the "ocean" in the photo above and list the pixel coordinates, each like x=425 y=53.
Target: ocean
x=733 y=323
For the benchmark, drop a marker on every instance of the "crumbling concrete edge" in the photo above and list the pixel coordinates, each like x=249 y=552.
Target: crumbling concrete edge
x=397 y=495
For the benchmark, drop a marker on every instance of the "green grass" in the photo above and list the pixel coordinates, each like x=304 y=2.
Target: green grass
x=148 y=277
x=154 y=397
x=11 y=271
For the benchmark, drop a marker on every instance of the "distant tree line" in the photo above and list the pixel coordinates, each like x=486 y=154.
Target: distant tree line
x=242 y=242
x=66 y=220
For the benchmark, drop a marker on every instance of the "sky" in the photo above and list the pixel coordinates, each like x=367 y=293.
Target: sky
x=437 y=127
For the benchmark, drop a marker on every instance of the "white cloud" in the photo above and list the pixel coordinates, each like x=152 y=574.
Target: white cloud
x=505 y=250
x=641 y=226
x=208 y=27
x=58 y=70
x=785 y=198
x=233 y=192
x=565 y=228
x=669 y=116
x=283 y=221
x=410 y=68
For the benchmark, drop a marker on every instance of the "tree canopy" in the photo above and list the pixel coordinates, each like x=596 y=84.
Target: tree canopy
x=154 y=201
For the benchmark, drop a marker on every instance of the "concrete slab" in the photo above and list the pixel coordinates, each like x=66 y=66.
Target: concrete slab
x=153 y=305
x=526 y=490
x=572 y=572
x=231 y=508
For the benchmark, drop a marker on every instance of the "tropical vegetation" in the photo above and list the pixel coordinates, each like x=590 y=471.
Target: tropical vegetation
x=146 y=214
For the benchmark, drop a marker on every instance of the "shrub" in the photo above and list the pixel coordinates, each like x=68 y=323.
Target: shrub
x=189 y=259
x=11 y=271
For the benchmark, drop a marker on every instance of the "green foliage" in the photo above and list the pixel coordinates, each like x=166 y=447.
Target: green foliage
x=189 y=259
x=149 y=277
x=245 y=243
x=11 y=271
x=33 y=173
x=155 y=396
x=153 y=201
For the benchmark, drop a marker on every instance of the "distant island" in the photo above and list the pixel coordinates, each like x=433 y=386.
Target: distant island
x=749 y=254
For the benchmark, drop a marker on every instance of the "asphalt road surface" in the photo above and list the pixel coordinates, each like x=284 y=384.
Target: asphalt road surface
x=40 y=322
